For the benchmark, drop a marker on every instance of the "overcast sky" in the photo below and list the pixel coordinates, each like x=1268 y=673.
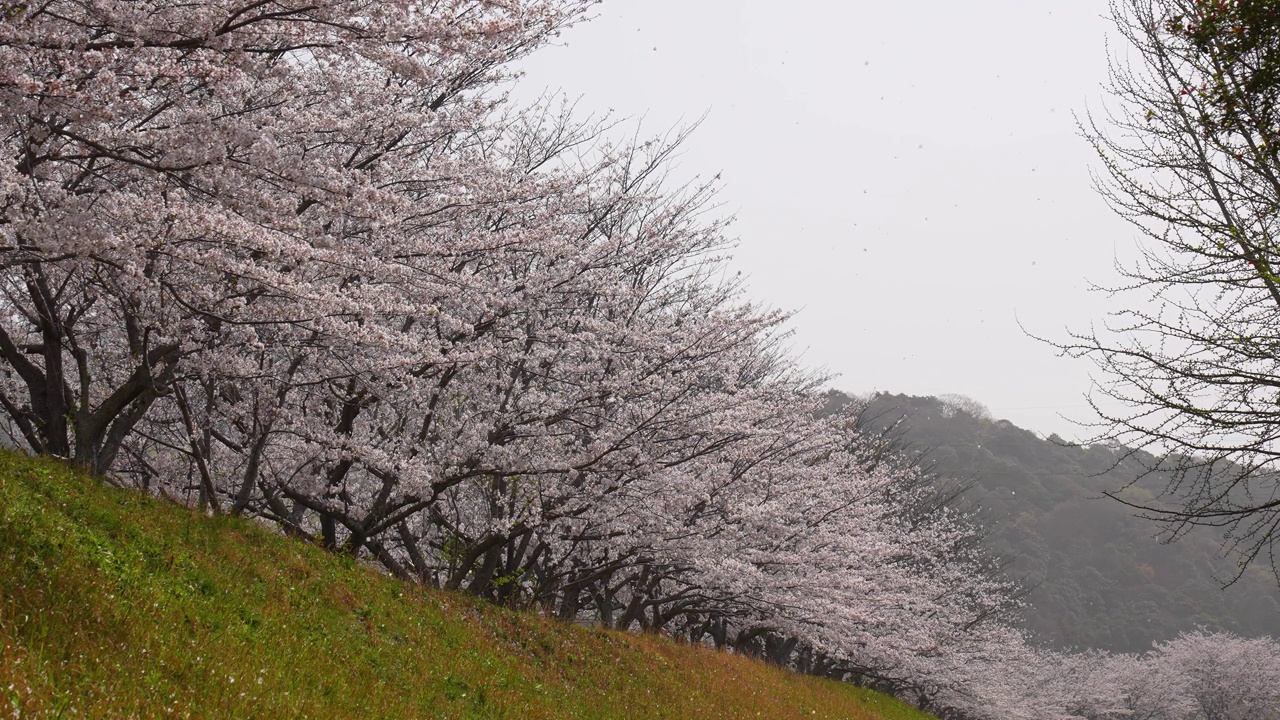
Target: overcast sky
x=908 y=176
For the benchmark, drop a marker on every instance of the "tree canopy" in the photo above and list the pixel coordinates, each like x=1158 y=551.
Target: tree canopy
x=1191 y=356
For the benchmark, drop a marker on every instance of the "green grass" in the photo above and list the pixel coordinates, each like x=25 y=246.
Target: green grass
x=114 y=605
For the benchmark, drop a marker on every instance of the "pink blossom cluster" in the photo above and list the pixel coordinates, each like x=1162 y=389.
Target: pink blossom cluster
x=1197 y=676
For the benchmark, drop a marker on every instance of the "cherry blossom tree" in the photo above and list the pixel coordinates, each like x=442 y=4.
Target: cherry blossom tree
x=1196 y=676
x=1224 y=677
x=184 y=175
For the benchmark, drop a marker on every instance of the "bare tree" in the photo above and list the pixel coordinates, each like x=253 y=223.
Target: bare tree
x=1189 y=150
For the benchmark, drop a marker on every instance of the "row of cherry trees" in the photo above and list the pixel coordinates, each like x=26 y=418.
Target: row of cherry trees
x=1198 y=676
x=304 y=261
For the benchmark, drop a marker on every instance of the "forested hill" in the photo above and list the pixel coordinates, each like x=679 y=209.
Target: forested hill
x=1105 y=581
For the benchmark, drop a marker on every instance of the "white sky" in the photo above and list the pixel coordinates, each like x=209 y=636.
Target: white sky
x=906 y=175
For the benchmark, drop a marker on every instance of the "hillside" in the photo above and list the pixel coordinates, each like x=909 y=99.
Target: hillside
x=117 y=605
x=1104 y=580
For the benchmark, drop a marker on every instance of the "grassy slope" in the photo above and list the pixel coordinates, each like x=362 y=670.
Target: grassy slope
x=116 y=605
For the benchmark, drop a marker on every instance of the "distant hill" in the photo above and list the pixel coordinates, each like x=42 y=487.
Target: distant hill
x=115 y=605
x=1105 y=581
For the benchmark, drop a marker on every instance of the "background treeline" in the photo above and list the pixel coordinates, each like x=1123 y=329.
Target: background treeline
x=1100 y=578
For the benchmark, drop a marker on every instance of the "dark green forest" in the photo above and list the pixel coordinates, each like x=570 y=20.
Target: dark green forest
x=1099 y=577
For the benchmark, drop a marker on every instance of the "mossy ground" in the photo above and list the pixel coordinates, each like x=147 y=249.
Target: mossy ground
x=115 y=605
